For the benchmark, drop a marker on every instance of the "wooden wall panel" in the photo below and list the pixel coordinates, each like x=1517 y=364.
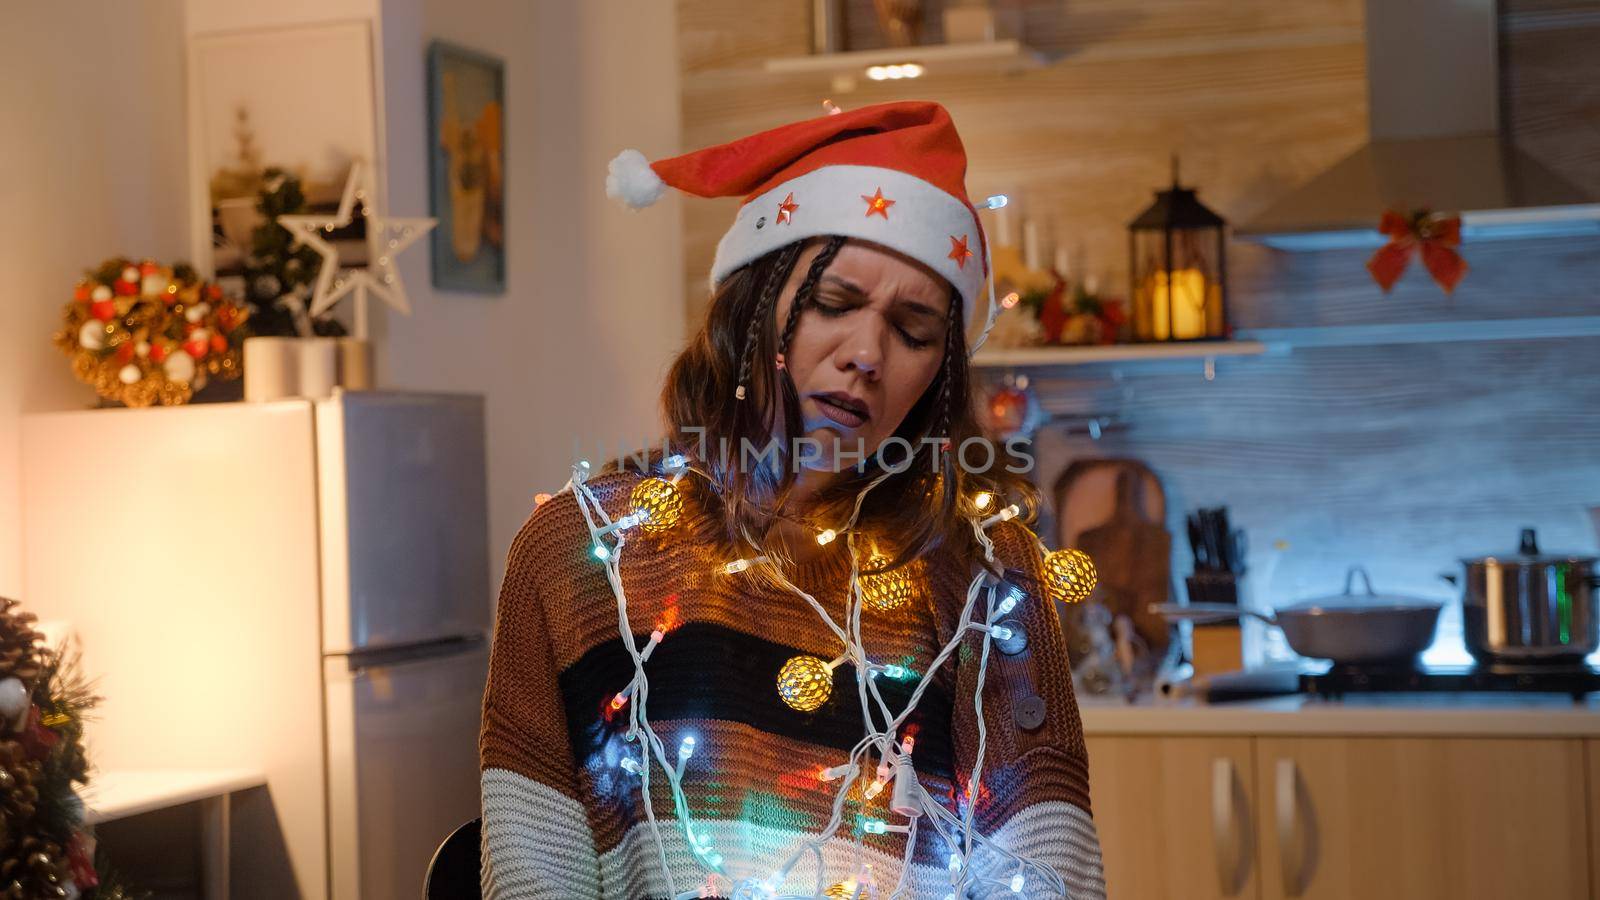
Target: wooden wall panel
x=1399 y=457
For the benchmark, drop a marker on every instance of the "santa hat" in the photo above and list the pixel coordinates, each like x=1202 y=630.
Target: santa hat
x=891 y=173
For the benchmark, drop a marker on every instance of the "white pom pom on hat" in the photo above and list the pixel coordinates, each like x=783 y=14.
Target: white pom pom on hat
x=630 y=179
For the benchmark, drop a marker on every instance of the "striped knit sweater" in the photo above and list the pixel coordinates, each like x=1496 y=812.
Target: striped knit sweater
x=562 y=820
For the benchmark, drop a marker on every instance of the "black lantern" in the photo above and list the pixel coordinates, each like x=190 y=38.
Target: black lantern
x=1175 y=260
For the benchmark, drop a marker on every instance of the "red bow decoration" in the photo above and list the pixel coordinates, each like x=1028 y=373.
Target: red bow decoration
x=1437 y=234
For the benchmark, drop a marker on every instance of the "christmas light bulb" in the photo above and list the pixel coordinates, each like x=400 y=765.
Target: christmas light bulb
x=996 y=201
x=1010 y=512
x=739 y=565
x=686 y=747
x=601 y=552
x=955 y=861
x=1000 y=632
x=826 y=536
x=833 y=774
x=982 y=500
x=1017 y=881
x=619 y=701
x=658 y=503
x=805 y=683
x=875 y=826
x=631 y=765
x=1010 y=300
x=1070 y=575
x=674 y=462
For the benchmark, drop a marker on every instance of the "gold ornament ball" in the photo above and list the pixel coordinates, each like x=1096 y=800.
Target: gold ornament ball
x=888 y=591
x=658 y=500
x=843 y=890
x=1070 y=574
x=805 y=683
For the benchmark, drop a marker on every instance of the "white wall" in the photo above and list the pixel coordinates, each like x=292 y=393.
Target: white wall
x=96 y=164
x=92 y=164
x=593 y=309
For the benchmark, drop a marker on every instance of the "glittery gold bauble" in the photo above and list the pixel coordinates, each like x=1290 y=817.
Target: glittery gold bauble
x=805 y=683
x=1069 y=574
x=887 y=591
x=660 y=503
x=844 y=890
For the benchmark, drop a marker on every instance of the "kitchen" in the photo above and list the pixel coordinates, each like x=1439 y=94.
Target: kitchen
x=1310 y=435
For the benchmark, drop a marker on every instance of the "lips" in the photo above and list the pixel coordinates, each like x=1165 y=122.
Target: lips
x=846 y=409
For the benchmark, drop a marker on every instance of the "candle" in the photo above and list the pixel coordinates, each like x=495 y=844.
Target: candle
x=1002 y=226
x=1030 y=244
x=1062 y=262
x=1185 y=304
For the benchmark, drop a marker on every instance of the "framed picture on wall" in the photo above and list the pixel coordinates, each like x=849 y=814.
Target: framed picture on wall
x=269 y=103
x=466 y=154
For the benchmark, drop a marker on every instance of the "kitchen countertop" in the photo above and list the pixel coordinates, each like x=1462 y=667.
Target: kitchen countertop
x=1400 y=715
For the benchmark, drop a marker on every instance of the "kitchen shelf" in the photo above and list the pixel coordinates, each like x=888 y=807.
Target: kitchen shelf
x=1279 y=341
x=1427 y=332
x=1476 y=228
x=1008 y=55
x=1008 y=357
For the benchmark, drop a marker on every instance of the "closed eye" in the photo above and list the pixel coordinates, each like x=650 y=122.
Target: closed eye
x=834 y=310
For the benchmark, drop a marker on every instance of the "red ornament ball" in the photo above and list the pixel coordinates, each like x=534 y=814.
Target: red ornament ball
x=104 y=310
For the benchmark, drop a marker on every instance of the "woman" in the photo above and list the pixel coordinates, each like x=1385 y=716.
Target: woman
x=749 y=664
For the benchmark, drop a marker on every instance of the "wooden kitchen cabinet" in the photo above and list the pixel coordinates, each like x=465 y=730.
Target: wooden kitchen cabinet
x=1421 y=818
x=1592 y=750
x=1175 y=816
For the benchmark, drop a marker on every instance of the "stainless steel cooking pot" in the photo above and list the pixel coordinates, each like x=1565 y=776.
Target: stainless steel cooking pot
x=1346 y=628
x=1530 y=607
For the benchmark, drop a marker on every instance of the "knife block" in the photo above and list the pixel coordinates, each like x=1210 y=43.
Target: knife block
x=1215 y=646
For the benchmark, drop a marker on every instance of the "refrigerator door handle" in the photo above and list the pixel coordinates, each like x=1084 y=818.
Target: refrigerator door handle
x=380 y=657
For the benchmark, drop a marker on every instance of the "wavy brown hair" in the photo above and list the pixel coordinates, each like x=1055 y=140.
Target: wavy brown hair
x=910 y=514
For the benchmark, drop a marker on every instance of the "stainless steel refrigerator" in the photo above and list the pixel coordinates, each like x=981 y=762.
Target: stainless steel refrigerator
x=405 y=615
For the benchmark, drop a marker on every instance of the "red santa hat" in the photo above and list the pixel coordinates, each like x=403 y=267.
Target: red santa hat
x=891 y=173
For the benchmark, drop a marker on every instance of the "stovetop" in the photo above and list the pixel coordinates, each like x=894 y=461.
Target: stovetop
x=1574 y=679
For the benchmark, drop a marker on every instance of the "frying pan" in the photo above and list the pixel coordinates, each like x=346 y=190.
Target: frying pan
x=1345 y=628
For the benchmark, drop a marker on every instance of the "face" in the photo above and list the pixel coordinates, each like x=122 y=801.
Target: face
x=867 y=346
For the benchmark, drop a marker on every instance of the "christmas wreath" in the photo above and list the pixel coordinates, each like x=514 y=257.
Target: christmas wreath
x=143 y=333
x=45 y=851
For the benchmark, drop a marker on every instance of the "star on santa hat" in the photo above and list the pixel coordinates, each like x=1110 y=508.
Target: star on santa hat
x=959 y=251
x=786 y=210
x=878 y=203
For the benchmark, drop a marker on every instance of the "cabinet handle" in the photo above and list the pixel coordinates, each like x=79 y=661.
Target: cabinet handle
x=1225 y=837
x=1288 y=803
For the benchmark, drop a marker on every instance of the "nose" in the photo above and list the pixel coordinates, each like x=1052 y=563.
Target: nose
x=866 y=363
x=863 y=350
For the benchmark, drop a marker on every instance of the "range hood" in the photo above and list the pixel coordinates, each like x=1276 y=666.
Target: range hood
x=1433 y=88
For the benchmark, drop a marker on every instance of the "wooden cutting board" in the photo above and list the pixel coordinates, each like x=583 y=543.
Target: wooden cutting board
x=1131 y=551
